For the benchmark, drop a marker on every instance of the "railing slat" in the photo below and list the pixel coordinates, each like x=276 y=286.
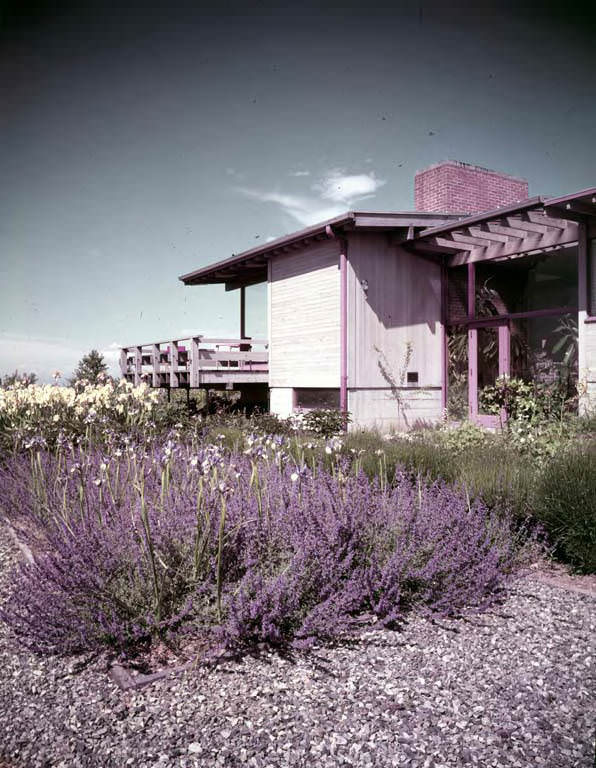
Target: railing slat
x=173 y=364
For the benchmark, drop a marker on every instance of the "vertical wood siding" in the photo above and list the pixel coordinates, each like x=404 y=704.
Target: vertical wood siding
x=402 y=304
x=304 y=307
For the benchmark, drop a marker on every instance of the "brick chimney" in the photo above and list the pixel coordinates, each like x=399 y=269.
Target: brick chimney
x=454 y=187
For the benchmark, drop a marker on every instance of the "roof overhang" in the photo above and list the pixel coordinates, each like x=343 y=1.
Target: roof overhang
x=537 y=225
x=250 y=267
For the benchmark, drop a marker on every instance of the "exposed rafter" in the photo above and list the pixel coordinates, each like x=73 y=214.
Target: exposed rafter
x=535 y=226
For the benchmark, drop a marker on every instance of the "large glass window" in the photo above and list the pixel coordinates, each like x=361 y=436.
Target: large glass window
x=592 y=278
x=544 y=351
x=527 y=284
x=457 y=389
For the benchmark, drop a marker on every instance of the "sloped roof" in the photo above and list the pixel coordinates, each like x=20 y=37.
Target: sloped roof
x=251 y=265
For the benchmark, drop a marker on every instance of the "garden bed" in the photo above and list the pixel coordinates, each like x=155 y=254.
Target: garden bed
x=513 y=687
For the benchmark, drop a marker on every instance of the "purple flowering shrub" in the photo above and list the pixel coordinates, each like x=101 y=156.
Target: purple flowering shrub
x=235 y=549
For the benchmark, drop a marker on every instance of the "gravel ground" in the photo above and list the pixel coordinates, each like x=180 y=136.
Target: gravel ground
x=514 y=687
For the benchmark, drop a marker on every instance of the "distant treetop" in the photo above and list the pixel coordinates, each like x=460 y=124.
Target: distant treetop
x=92 y=368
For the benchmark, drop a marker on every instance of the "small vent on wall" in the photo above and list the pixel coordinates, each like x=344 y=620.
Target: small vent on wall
x=412 y=377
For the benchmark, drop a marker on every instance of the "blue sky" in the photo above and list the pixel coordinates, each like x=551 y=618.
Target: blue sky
x=139 y=144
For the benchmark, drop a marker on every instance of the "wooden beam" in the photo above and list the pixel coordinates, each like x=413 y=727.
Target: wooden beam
x=479 y=242
x=156 y=366
x=517 y=246
x=194 y=361
x=502 y=228
x=124 y=361
x=552 y=220
x=138 y=365
x=526 y=226
x=426 y=248
x=490 y=236
x=444 y=242
x=242 y=312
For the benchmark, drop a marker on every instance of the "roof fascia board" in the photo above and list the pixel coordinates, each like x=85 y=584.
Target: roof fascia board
x=554 y=201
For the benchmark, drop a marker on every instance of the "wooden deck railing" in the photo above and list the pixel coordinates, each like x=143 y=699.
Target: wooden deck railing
x=196 y=361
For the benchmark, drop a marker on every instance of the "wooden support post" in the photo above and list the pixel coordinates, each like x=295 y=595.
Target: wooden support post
x=471 y=291
x=138 y=365
x=194 y=361
x=343 y=330
x=242 y=312
x=173 y=364
x=155 y=374
x=472 y=373
x=444 y=339
x=124 y=361
x=584 y=310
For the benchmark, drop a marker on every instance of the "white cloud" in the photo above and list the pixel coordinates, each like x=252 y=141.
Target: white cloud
x=304 y=209
x=346 y=188
x=299 y=173
x=332 y=194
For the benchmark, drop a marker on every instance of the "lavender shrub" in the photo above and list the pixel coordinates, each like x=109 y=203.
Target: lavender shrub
x=236 y=549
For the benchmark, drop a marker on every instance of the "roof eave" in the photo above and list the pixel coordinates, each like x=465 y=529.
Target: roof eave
x=266 y=250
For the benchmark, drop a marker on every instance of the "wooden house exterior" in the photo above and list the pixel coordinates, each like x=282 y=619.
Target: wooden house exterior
x=366 y=311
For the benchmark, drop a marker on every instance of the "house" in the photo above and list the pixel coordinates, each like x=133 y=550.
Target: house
x=395 y=317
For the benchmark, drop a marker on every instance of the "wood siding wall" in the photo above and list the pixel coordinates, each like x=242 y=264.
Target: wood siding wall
x=402 y=305
x=304 y=317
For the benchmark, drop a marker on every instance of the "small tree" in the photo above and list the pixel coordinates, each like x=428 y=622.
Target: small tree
x=92 y=368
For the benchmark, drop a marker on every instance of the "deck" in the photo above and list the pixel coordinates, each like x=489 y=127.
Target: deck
x=196 y=362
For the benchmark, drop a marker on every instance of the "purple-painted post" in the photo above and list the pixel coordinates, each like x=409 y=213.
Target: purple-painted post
x=444 y=341
x=472 y=346
x=343 y=312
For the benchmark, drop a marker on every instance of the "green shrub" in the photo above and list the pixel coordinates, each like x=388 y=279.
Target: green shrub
x=325 y=422
x=565 y=502
x=270 y=424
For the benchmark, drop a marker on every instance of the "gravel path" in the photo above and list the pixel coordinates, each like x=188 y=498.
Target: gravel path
x=511 y=688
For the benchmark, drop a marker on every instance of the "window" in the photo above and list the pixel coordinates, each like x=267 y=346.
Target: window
x=591 y=278
x=527 y=284
x=315 y=398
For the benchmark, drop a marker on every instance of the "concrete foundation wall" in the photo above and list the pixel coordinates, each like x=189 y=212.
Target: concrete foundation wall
x=281 y=401
x=390 y=411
